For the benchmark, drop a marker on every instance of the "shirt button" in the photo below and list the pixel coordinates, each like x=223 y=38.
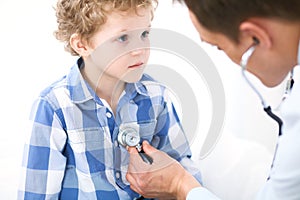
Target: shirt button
x=118 y=175
x=116 y=143
x=108 y=114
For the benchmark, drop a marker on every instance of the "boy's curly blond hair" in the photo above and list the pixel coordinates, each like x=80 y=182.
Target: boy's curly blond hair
x=84 y=17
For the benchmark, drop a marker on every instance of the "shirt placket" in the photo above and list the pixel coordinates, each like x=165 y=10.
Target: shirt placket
x=111 y=124
x=117 y=150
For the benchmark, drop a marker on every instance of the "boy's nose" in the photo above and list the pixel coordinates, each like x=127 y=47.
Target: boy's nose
x=138 y=51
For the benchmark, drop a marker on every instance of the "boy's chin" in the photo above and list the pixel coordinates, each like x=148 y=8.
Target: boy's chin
x=133 y=77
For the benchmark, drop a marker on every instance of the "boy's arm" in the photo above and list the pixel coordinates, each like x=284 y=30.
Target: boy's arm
x=43 y=163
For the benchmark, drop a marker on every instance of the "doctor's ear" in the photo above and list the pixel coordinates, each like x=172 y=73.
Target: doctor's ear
x=257 y=33
x=255 y=40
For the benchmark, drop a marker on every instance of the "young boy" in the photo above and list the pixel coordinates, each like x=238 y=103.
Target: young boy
x=73 y=151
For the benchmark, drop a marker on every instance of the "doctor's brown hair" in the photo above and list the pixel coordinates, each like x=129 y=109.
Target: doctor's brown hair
x=85 y=17
x=225 y=16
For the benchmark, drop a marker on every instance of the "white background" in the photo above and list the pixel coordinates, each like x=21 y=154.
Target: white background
x=31 y=58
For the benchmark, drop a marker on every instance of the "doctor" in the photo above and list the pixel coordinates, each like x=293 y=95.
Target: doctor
x=263 y=37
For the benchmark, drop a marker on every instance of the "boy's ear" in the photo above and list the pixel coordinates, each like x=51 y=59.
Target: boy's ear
x=79 y=45
x=257 y=33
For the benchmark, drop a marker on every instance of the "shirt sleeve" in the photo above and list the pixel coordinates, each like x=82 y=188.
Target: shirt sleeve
x=43 y=164
x=201 y=193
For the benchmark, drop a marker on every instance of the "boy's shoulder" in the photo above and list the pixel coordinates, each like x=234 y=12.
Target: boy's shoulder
x=53 y=86
x=152 y=86
x=149 y=82
x=148 y=79
x=65 y=82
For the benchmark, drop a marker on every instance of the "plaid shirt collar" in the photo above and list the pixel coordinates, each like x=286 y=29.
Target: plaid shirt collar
x=80 y=90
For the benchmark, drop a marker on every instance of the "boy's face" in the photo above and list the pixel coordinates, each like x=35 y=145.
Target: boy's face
x=121 y=46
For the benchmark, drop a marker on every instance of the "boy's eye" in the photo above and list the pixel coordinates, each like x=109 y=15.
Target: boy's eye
x=123 y=38
x=145 y=34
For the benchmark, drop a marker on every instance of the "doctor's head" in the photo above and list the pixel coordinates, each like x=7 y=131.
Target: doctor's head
x=236 y=25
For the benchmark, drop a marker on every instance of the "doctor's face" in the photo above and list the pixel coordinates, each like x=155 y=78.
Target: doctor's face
x=270 y=64
x=233 y=50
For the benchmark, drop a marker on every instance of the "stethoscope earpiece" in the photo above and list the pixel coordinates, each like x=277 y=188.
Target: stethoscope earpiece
x=255 y=40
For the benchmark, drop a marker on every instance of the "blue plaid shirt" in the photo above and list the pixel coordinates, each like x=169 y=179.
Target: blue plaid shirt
x=73 y=152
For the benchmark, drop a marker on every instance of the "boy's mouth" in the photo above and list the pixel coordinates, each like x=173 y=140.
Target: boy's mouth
x=136 y=65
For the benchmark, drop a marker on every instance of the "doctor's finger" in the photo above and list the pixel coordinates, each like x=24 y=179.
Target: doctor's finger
x=132 y=150
x=147 y=148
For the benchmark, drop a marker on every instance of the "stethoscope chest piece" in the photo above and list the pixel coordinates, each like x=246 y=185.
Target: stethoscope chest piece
x=128 y=136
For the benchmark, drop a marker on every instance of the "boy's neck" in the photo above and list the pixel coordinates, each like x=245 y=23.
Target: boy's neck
x=110 y=91
x=107 y=88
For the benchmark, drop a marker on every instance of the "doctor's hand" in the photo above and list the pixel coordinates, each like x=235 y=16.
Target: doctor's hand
x=165 y=178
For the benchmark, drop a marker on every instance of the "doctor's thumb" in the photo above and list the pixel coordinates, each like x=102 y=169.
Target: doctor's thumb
x=132 y=150
x=147 y=148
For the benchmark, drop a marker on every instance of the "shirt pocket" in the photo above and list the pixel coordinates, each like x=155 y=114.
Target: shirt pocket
x=90 y=147
x=147 y=130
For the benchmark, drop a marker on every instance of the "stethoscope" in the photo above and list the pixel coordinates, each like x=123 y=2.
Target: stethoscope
x=266 y=107
x=129 y=136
